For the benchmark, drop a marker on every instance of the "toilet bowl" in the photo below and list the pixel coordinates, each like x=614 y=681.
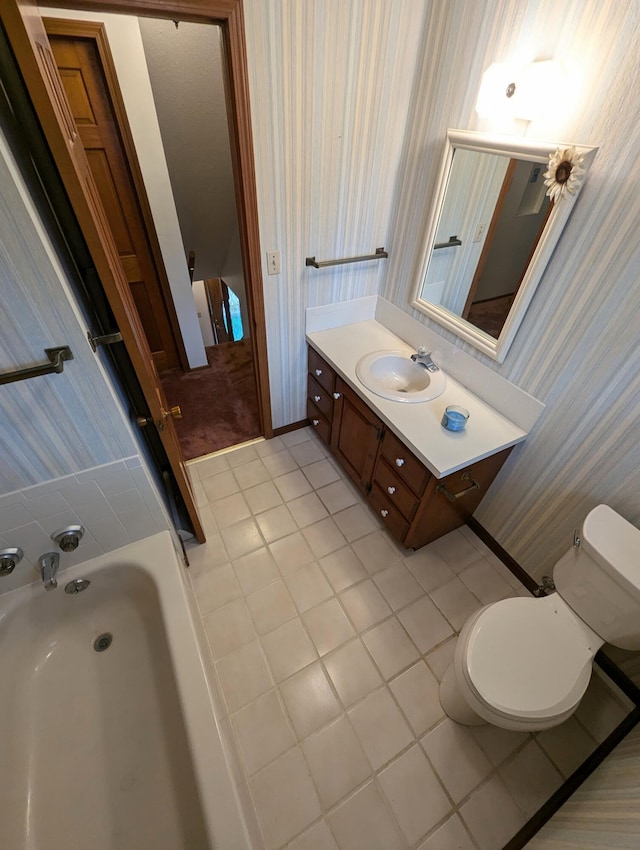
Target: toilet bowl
x=525 y=663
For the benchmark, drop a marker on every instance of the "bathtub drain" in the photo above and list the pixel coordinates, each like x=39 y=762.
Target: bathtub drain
x=103 y=642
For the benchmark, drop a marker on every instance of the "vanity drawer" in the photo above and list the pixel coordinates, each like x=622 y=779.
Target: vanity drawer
x=388 y=513
x=404 y=464
x=320 y=398
x=319 y=423
x=321 y=372
x=396 y=490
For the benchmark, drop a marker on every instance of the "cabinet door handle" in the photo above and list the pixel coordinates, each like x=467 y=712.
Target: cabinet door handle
x=399 y=461
x=453 y=497
x=316 y=398
x=384 y=512
x=316 y=422
x=336 y=396
x=318 y=372
x=391 y=490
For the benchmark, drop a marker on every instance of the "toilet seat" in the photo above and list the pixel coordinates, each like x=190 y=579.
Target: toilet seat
x=527 y=659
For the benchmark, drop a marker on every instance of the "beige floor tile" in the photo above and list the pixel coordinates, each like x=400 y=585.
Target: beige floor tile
x=530 y=777
x=207 y=467
x=317 y=837
x=382 y=729
x=220 y=486
x=307 y=509
x=498 y=744
x=310 y=700
x=363 y=821
x=271 y=606
x=229 y=628
x=343 y=568
x=263 y=731
x=269 y=447
x=479 y=814
x=292 y=484
x=428 y=568
x=440 y=658
x=276 y=523
x=456 y=602
x=288 y=649
x=321 y=473
x=355 y=522
x=391 y=647
x=241 y=456
x=365 y=605
x=206 y=556
x=307 y=452
x=279 y=463
x=250 y=474
x=244 y=675
x=418 y=695
x=398 y=586
x=425 y=624
x=452 y=835
x=455 y=550
x=291 y=552
x=324 y=537
x=328 y=626
x=459 y=761
x=336 y=760
x=352 y=672
x=308 y=586
x=256 y=570
x=337 y=496
x=230 y=510
x=599 y=711
x=242 y=538
x=285 y=798
x=216 y=588
x=567 y=745
x=485 y=582
x=262 y=497
x=376 y=552
x=414 y=793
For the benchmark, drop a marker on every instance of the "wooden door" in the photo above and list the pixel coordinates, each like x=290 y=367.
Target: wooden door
x=91 y=92
x=355 y=436
x=26 y=33
x=217 y=293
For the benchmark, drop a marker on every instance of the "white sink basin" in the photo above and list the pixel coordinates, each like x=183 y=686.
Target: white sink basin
x=394 y=375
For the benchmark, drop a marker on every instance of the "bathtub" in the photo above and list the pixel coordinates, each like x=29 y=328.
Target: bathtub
x=117 y=749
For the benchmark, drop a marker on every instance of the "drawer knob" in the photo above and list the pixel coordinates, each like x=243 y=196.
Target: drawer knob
x=316 y=422
x=391 y=490
x=318 y=372
x=384 y=512
x=316 y=398
x=399 y=461
x=336 y=396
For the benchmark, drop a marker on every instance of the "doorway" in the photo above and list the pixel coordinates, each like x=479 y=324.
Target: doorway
x=214 y=387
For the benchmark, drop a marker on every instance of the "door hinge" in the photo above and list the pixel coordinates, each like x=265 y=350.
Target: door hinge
x=103 y=339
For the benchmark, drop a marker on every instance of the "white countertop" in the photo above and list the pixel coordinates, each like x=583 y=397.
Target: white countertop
x=418 y=425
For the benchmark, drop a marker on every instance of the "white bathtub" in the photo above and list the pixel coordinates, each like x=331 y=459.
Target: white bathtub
x=112 y=750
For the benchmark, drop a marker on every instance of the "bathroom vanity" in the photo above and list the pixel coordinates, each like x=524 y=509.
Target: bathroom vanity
x=421 y=480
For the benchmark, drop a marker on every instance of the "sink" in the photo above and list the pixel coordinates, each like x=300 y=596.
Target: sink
x=394 y=375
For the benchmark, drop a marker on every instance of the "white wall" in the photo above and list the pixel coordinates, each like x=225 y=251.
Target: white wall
x=123 y=34
x=202 y=306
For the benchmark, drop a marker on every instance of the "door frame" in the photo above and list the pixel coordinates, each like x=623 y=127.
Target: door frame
x=229 y=16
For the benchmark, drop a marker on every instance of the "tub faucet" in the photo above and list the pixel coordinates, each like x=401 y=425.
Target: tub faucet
x=49 y=564
x=423 y=357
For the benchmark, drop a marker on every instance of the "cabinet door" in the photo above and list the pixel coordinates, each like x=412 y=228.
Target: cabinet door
x=356 y=435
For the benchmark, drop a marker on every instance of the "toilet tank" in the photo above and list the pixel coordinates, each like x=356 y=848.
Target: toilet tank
x=600 y=578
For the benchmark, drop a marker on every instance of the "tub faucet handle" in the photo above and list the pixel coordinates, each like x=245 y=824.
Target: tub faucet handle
x=49 y=564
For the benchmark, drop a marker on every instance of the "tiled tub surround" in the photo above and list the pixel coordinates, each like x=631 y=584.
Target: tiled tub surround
x=117 y=503
x=329 y=642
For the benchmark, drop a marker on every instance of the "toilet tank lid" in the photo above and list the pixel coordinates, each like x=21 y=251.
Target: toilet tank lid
x=613 y=542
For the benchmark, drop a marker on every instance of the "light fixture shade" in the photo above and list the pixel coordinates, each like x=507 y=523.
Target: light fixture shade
x=492 y=99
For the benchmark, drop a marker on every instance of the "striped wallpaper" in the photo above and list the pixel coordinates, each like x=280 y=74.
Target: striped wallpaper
x=350 y=106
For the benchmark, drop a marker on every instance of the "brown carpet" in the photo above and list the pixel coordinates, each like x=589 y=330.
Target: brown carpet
x=219 y=404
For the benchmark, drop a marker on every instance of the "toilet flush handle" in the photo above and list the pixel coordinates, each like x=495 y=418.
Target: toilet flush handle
x=576 y=538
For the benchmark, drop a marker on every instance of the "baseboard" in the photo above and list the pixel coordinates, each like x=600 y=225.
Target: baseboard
x=293 y=426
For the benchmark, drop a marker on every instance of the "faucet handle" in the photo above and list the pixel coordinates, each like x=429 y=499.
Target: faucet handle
x=9 y=558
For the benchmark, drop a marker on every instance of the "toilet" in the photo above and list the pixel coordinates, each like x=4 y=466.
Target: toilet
x=525 y=663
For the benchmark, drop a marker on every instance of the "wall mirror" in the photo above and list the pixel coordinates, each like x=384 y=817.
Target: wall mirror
x=491 y=233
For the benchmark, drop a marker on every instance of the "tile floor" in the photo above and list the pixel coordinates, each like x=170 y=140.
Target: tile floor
x=329 y=642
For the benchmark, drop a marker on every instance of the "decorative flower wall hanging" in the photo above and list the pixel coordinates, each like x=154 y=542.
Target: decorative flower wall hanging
x=565 y=172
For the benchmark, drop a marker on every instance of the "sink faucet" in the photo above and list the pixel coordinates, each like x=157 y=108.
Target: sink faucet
x=423 y=357
x=49 y=564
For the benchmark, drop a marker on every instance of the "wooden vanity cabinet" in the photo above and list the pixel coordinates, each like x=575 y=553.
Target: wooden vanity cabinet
x=415 y=506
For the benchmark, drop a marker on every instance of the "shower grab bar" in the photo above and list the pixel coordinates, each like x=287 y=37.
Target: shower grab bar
x=452 y=243
x=380 y=254
x=56 y=358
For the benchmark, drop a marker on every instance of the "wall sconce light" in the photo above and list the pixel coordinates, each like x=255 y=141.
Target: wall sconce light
x=520 y=91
